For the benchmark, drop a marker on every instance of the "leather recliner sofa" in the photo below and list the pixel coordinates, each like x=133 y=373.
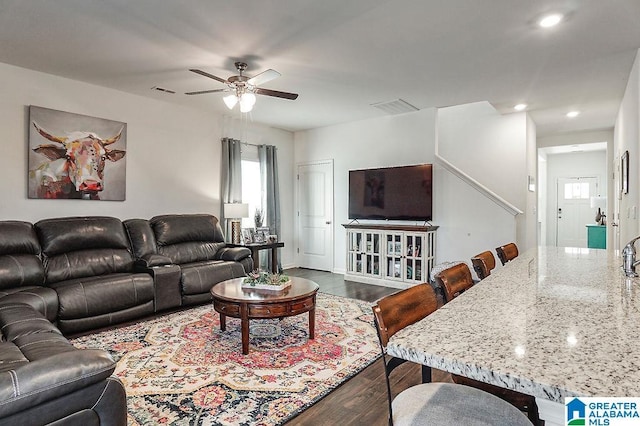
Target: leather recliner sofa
x=195 y=244
x=73 y=274
x=88 y=262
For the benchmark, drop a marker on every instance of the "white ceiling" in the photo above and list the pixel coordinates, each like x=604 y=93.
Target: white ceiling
x=341 y=56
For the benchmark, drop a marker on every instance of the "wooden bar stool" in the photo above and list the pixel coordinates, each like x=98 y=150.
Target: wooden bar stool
x=483 y=264
x=434 y=404
x=456 y=280
x=507 y=252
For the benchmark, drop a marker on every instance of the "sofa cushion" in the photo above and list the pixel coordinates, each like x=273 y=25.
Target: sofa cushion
x=67 y=234
x=18 y=238
x=42 y=299
x=191 y=252
x=98 y=295
x=20 y=270
x=78 y=247
x=57 y=375
x=141 y=238
x=87 y=263
x=18 y=320
x=188 y=238
x=19 y=255
x=27 y=336
x=174 y=229
x=10 y=356
x=200 y=277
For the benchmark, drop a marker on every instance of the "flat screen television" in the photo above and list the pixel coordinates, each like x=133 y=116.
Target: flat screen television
x=392 y=193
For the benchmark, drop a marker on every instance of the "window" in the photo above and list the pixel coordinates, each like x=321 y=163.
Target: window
x=574 y=191
x=251 y=186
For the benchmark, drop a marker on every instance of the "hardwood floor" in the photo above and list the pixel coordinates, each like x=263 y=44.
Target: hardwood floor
x=362 y=400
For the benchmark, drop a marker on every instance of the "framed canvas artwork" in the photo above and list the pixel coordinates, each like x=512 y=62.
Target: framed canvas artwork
x=73 y=156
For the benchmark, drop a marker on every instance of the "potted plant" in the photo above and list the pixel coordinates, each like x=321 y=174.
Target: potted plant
x=266 y=280
x=258 y=218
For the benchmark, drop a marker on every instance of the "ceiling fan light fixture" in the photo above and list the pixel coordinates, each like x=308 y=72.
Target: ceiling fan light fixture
x=230 y=101
x=247 y=101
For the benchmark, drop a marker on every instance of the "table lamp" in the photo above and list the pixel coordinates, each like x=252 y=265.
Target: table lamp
x=235 y=212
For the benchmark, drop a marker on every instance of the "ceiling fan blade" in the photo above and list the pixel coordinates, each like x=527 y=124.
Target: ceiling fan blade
x=263 y=77
x=276 y=93
x=206 y=74
x=202 y=92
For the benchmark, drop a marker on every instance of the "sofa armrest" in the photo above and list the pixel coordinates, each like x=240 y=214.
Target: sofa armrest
x=152 y=260
x=39 y=381
x=234 y=254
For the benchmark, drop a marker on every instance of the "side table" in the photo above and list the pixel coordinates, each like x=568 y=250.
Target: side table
x=255 y=249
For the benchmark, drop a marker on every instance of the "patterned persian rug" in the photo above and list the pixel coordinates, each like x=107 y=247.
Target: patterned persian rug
x=181 y=369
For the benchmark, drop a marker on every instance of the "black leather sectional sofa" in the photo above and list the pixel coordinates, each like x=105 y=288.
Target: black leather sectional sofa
x=68 y=275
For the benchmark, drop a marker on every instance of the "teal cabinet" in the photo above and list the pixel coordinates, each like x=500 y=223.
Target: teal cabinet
x=597 y=236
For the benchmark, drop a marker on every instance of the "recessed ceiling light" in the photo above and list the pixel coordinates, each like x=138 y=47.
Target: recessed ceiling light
x=573 y=114
x=549 y=21
x=520 y=107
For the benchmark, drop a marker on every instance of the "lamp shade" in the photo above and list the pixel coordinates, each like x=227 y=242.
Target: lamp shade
x=598 y=202
x=236 y=210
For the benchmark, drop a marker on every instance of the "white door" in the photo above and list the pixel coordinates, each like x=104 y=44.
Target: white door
x=315 y=215
x=574 y=211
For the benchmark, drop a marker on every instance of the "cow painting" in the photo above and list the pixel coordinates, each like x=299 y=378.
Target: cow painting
x=73 y=163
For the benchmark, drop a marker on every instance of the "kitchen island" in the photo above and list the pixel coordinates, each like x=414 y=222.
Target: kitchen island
x=553 y=323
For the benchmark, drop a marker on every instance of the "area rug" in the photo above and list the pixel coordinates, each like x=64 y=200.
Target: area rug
x=181 y=369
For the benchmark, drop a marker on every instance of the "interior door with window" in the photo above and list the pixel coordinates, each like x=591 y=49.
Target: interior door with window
x=574 y=211
x=315 y=215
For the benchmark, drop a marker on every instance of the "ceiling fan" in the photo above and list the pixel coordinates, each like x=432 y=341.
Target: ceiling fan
x=242 y=88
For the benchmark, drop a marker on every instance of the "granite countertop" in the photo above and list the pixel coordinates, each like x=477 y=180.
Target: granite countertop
x=554 y=322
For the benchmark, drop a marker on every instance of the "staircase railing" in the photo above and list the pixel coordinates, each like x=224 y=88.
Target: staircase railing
x=478 y=186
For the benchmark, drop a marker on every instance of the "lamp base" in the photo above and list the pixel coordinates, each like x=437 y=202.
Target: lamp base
x=236 y=232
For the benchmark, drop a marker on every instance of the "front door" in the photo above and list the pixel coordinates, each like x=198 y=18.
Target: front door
x=574 y=211
x=315 y=215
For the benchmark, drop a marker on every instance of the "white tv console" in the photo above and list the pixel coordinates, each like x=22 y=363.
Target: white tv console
x=390 y=255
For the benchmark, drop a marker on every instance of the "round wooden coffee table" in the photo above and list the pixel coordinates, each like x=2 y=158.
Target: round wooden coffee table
x=231 y=299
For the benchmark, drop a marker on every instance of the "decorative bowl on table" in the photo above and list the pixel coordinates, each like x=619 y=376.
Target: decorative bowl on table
x=266 y=280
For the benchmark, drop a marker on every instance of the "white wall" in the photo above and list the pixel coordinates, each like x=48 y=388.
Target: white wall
x=386 y=141
x=498 y=152
x=575 y=164
x=530 y=221
x=173 y=152
x=576 y=138
x=542 y=185
x=469 y=222
x=627 y=138
x=476 y=138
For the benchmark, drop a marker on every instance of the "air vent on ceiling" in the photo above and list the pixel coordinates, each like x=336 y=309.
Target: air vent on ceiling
x=397 y=106
x=162 y=89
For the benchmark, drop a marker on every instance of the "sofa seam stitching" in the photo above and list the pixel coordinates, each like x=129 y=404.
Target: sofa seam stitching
x=34 y=392
x=104 y=390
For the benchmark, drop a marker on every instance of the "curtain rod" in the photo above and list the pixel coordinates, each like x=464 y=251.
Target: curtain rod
x=256 y=145
x=252 y=144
